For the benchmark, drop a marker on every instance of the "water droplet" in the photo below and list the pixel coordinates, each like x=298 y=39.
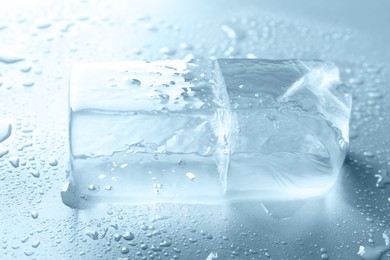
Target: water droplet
x=10 y=57
x=3 y=152
x=134 y=82
x=368 y=154
x=212 y=255
x=164 y=98
x=165 y=243
x=28 y=83
x=124 y=250
x=24 y=240
x=93 y=187
x=14 y=162
x=233 y=32
x=92 y=234
x=167 y=51
x=53 y=162
x=25 y=69
x=185 y=46
x=117 y=237
x=35 y=174
x=251 y=56
x=43 y=24
x=34 y=214
x=5 y=130
x=128 y=236
x=36 y=244
x=191 y=176
x=374 y=253
x=137 y=51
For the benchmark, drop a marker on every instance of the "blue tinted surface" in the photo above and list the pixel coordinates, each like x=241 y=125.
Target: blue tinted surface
x=41 y=40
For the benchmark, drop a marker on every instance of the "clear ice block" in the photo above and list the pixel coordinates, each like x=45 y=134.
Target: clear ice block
x=205 y=131
x=289 y=131
x=147 y=132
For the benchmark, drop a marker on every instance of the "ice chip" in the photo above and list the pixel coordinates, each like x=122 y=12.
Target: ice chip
x=290 y=127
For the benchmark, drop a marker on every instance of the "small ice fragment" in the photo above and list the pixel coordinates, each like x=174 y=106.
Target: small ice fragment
x=191 y=176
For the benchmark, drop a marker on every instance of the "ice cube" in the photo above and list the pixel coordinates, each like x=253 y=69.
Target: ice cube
x=140 y=128
x=290 y=127
x=205 y=131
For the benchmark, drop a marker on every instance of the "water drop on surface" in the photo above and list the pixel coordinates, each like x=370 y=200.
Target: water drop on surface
x=25 y=69
x=167 y=51
x=191 y=176
x=92 y=234
x=35 y=174
x=43 y=25
x=117 y=237
x=324 y=256
x=124 y=250
x=134 y=82
x=128 y=236
x=165 y=243
x=36 y=244
x=233 y=32
x=34 y=214
x=212 y=255
x=9 y=57
x=53 y=162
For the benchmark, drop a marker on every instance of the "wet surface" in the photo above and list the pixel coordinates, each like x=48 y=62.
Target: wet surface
x=39 y=42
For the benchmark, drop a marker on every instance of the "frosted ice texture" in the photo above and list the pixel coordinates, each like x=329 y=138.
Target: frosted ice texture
x=204 y=131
